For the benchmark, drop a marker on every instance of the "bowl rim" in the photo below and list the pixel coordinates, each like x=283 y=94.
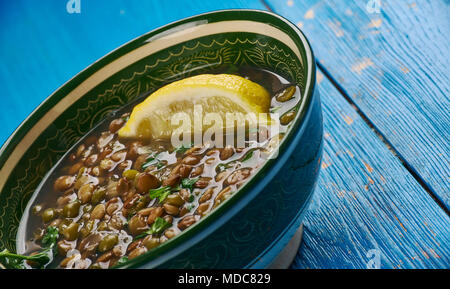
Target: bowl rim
x=223 y=213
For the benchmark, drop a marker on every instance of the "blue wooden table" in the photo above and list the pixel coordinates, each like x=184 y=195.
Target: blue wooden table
x=383 y=194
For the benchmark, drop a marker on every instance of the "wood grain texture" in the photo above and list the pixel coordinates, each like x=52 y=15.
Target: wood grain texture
x=366 y=200
x=395 y=67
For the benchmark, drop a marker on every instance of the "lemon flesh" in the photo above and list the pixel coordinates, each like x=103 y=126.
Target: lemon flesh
x=214 y=93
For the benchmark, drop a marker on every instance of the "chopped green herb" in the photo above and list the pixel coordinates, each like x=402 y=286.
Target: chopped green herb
x=122 y=260
x=50 y=238
x=148 y=162
x=160 y=193
x=191 y=198
x=182 y=149
x=223 y=166
x=188 y=183
x=247 y=156
x=157 y=228
x=153 y=161
x=160 y=164
x=15 y=261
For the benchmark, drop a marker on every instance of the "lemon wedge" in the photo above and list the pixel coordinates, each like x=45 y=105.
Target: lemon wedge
x=214 y=93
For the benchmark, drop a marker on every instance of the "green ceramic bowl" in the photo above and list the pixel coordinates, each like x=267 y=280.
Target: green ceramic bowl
x=250 y=228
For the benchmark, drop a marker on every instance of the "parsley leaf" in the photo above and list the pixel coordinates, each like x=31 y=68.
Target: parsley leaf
x=50 y=238
x=15 y=261
x=223 y=166
x=247 y=156
x=152 y=160
x=122 y=260
x=160 y=193
x=158 y=226
x=188 y=183
x=182 y=149
x=148 y=162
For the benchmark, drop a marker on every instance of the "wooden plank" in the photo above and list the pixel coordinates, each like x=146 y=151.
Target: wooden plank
x=43 y=46
x=367 y=203
x=395 y=68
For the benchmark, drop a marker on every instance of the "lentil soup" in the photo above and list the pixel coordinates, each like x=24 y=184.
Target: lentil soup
x=109 y=200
